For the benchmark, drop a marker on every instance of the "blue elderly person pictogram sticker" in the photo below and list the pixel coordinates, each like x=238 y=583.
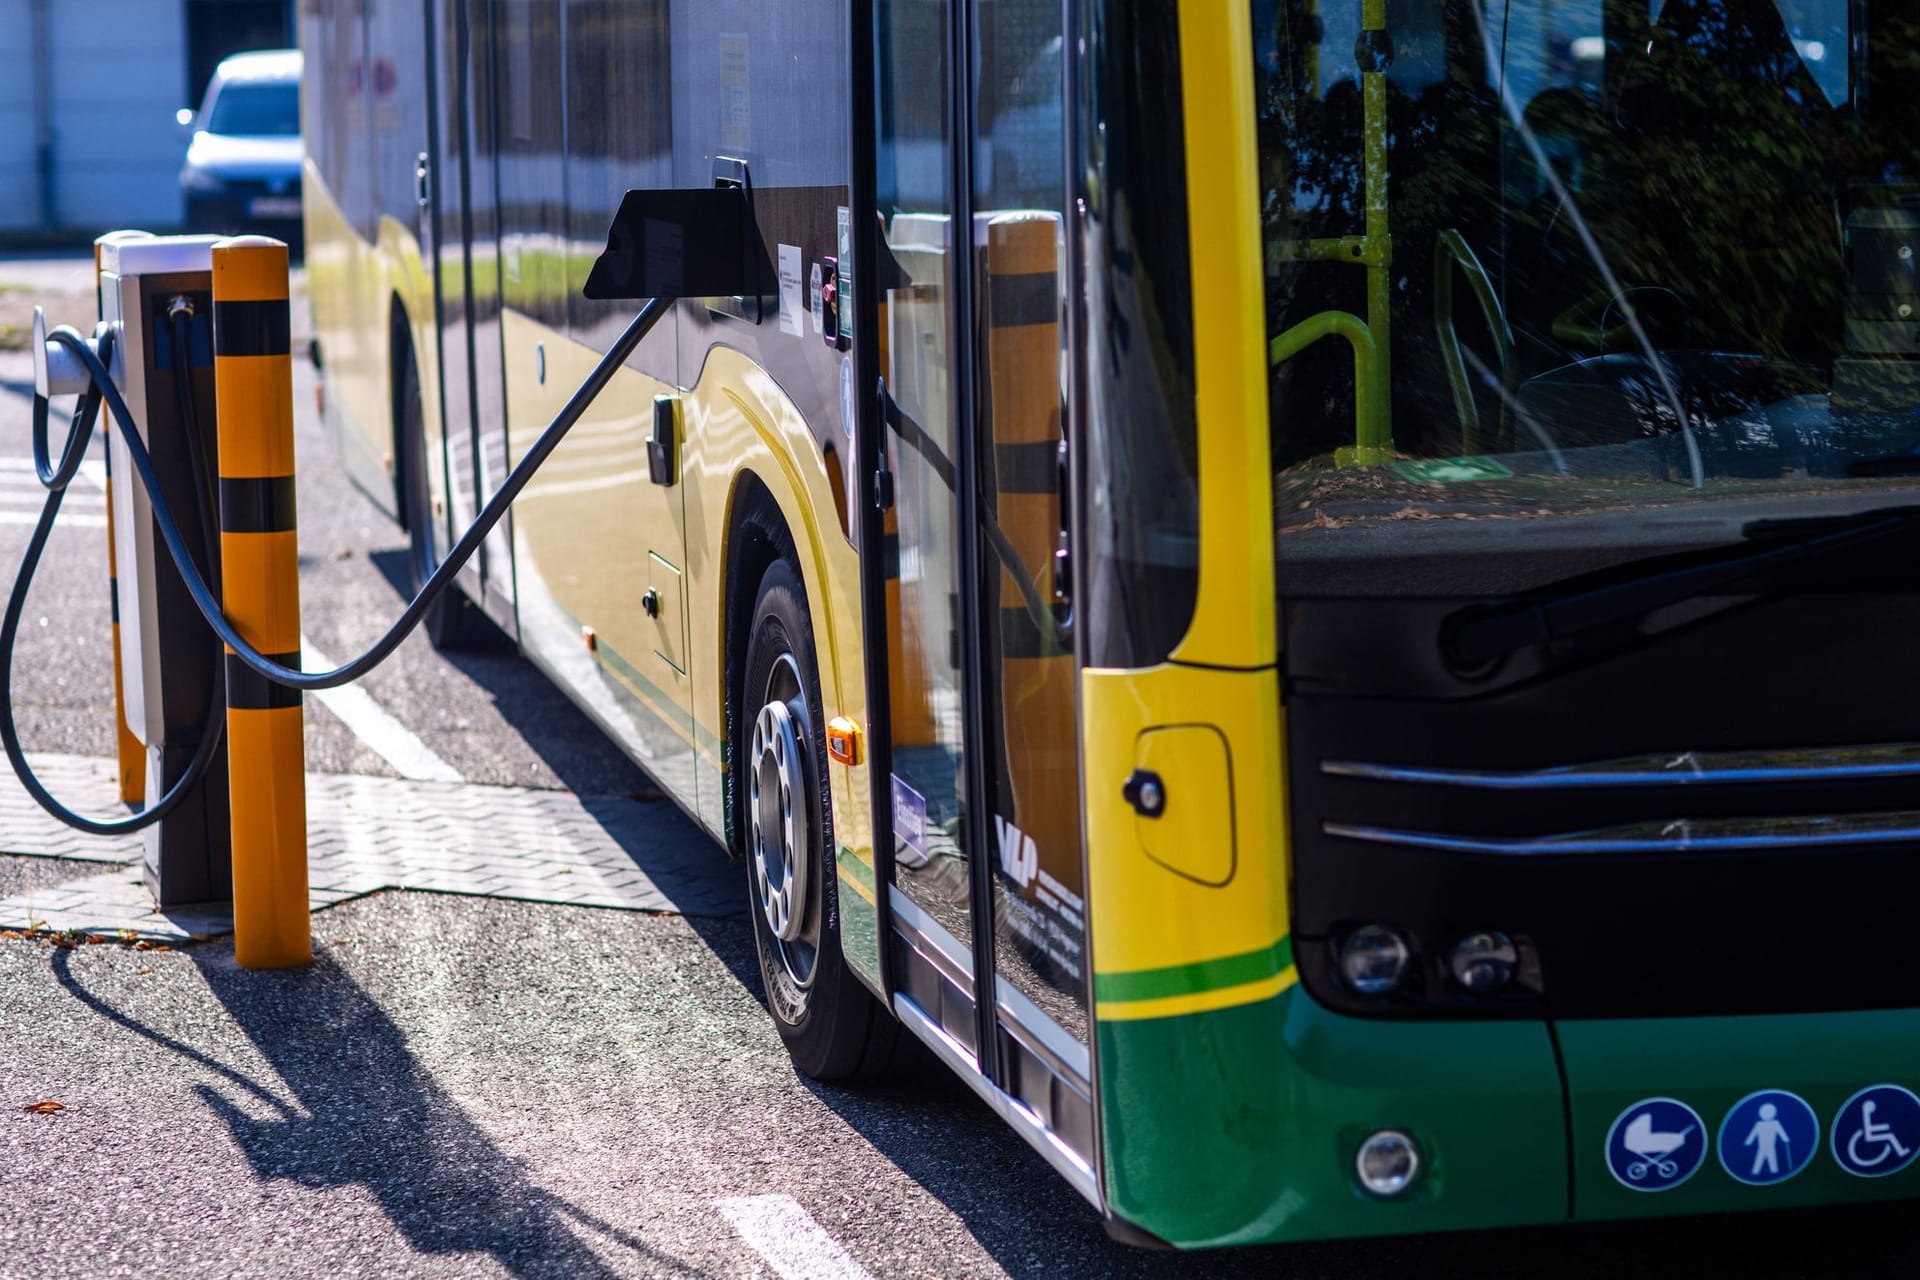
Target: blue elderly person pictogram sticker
x=1877 y=1131
x=1656 y=1144
x=1767 y=1137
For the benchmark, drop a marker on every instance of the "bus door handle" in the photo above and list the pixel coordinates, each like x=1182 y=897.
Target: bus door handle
x=662 y=462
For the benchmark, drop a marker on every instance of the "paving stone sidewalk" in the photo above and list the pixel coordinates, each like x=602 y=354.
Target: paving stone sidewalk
x=365 y=834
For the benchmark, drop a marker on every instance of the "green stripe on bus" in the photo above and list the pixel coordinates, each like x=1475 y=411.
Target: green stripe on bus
x=855 y=870
x=1191 y=979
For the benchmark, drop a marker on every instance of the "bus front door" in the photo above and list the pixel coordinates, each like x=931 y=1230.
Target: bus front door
x=988 y=875
x=466 y=265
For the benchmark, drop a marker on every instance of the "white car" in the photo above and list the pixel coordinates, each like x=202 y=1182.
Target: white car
x=243 y=165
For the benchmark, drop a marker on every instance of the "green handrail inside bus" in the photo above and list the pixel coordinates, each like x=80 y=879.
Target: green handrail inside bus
x=1449 y=251
x=1373 y=98
x=1373 y=250
x=1372 y=443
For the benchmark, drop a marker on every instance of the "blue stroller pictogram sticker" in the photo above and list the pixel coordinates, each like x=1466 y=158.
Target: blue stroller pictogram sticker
x=1877 y=1131
x=1768 y=1137
x=1656 y=1144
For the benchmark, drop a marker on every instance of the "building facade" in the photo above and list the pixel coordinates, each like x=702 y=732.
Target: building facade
x=88 y=139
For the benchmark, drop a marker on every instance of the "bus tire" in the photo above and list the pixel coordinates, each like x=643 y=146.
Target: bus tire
x=454 y=622
x=833 y=1026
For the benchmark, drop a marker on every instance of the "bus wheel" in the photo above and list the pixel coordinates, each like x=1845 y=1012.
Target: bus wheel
x=454 y=622
x=832 y=1025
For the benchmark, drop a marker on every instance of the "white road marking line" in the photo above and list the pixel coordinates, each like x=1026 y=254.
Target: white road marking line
x=95 y=468
x=76 y=500
x=789 y=1239
x=79 y=497
x=82 y=509
x=68 y=519
x=370 y=722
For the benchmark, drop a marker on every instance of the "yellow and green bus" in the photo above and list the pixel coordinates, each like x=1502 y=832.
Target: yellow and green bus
x=1312 y=594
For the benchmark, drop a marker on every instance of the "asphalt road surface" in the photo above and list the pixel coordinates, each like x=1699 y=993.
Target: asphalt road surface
x=461 y=1086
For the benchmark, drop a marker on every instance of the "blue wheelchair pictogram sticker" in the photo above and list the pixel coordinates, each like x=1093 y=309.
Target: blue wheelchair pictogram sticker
x=1656 y=1144
x=1768 y=1137
x=1877 y=1131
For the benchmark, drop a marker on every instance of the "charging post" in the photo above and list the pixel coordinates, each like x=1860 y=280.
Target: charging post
x=195 y=339
x=260 y=589
x=193 y=363
x=171 y=677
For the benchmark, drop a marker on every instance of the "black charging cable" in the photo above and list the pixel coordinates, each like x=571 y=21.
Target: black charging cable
x=55 y=480
x=102 y=390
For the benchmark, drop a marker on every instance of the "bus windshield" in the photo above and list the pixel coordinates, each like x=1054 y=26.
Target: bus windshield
x=1554 y=284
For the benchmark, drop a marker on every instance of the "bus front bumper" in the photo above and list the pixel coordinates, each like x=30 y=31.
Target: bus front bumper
x=1241 y=1125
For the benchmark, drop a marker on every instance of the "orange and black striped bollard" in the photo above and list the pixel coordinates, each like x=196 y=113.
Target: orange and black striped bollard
x=266 y=754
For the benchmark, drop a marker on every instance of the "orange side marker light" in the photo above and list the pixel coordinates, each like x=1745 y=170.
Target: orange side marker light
x=843 y=740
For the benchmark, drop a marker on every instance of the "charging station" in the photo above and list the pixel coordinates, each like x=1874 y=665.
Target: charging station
x=152 y=290
x=193 y=348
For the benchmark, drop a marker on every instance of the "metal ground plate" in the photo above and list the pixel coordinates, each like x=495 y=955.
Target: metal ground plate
x=366 y=834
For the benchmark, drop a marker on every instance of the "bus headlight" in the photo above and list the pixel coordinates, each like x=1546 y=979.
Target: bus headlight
x=1373 y=960
x=1484 y=962
x=1387 y=1163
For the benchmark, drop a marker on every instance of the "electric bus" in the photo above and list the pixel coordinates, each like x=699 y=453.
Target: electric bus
x=1312 y=594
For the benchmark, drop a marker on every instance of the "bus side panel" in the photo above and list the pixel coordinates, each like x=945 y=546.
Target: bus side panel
x=339 y=211
x=363 y=249
x=586 y=533
x=342 y=284
x=767 y=84
x=578 y=116
x=740 y=422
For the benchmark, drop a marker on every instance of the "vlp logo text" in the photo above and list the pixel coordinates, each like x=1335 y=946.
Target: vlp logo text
x=1019 y=857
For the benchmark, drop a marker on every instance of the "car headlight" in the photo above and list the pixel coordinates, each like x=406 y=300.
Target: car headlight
x=193 y=178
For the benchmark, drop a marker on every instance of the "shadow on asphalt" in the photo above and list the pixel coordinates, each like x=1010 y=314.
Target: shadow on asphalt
x=364 y=1112
x=933 y=1128
x=347 y=1104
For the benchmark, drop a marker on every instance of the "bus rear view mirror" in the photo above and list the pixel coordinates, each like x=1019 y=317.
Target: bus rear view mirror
x=694 y=243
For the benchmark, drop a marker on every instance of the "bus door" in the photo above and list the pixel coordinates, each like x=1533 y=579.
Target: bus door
x=466 y=263
x=967 y=310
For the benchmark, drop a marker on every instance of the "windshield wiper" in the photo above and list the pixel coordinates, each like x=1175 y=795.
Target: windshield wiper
x=1477 y=637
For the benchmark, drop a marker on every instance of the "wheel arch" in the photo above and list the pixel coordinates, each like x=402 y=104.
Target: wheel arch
x=398 y=289
x=770 y=495
x=757 y=535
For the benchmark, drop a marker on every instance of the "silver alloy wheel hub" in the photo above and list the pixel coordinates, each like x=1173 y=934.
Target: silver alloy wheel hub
x=776 y=804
